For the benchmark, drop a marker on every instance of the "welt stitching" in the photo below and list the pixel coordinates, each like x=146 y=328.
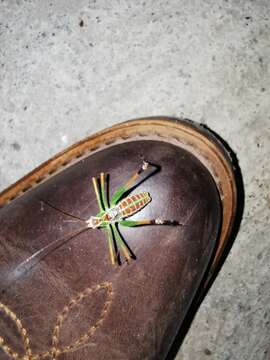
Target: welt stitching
x=78 y=156
x=84 y=153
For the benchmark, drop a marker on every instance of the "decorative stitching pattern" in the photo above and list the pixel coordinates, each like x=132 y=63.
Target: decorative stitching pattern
x=22 y=331
x=56 y=349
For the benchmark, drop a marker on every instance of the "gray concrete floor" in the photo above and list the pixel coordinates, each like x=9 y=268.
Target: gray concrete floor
x=205 y=60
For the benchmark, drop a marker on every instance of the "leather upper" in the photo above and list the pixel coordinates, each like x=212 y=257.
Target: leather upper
x=134 y=310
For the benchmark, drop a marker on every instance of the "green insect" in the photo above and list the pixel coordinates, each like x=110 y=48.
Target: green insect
x=113 y=212
x=117 y=210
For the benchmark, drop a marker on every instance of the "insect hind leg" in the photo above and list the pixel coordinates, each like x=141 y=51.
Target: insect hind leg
x=132 y=223
x=128 y=254
x=131 y=181
x=112 y=249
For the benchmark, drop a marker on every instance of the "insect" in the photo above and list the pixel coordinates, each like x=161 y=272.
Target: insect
x=118 y=209
x=111 y=213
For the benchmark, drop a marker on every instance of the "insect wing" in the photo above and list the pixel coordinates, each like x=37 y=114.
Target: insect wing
x=134 y=203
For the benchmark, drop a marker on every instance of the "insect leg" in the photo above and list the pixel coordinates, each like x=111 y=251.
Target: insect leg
x=131 y=223
x=109 y=233
x=97 y=192
x=120 y=243
x=122 y=189
x=104 y=195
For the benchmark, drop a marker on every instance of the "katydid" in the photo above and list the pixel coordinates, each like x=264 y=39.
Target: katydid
x=111 y=212
x=118 y=209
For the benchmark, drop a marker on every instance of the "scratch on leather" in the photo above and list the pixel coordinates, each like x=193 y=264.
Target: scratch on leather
x=56 y=349
x=191 y=213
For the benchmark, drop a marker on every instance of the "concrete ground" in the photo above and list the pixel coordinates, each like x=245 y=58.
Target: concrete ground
x=70 y=68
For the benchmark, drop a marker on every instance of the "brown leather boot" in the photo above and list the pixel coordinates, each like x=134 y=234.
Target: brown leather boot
x=79 y=281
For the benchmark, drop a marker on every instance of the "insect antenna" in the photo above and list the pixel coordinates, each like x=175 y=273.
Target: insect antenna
x=39 y=255
x=61 y=211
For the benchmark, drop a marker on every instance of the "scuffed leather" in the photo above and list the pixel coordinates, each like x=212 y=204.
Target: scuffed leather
x=150 y=296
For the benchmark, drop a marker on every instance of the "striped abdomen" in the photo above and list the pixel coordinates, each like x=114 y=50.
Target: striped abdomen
x=131 y=204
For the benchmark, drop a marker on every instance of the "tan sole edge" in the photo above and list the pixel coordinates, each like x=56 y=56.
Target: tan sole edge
x=180 y=133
